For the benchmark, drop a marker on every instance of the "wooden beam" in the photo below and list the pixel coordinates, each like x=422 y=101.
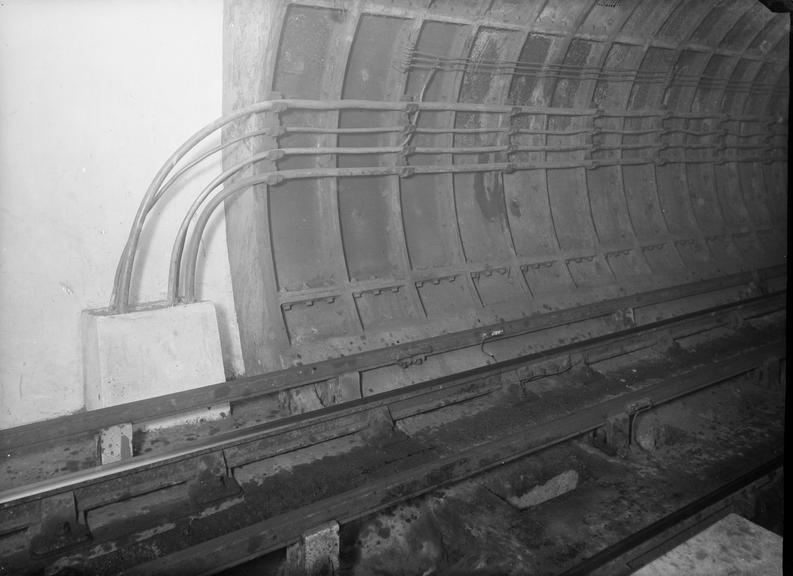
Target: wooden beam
x=16 y=438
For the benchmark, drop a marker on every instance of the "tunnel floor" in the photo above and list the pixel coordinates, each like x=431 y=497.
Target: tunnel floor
x=549 y=512
x=532 y=467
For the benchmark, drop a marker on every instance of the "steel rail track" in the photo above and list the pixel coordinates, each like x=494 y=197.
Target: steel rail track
x=599 y=347
x=676 y=518
x=11 y=440
x=95 y=488
x=274 y=533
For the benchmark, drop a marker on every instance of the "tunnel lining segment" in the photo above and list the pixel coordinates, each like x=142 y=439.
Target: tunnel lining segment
x=457 y=291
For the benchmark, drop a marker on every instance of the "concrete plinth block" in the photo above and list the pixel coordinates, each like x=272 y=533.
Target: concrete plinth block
x=149 y=353
x=649 y=432
x=350 y=386
x=316 y=553
x=115 y=443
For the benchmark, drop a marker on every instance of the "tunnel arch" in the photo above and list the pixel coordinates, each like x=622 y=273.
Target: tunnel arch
x=685 y=192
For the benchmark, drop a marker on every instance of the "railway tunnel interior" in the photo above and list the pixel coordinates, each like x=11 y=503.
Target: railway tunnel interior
x=505 y=291
x=638 y=145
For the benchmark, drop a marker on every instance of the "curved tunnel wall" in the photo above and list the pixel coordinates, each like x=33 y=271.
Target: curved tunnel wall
x=328 y=267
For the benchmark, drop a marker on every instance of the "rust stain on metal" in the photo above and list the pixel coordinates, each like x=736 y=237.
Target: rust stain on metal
x=489 y=194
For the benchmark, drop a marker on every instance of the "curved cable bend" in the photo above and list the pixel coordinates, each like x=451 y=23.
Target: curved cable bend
x=120 y=297
x=174 y=272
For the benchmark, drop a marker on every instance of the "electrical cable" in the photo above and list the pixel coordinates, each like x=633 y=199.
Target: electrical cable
x=120 y=300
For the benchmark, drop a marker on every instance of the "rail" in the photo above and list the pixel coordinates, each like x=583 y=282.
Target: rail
x=14 y=439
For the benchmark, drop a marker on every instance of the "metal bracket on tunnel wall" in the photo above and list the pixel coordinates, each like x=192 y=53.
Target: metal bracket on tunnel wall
x=412 y=356
x=60 y=525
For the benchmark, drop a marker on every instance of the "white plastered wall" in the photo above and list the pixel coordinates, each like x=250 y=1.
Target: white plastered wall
x=94 y=96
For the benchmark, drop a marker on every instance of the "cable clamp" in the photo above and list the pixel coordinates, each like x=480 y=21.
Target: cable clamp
x=410 y=108
x=276 y=131
x=402 y=157
x=666 y=117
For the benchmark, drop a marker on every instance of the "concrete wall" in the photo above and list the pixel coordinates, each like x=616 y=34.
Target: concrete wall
x=93 y=97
